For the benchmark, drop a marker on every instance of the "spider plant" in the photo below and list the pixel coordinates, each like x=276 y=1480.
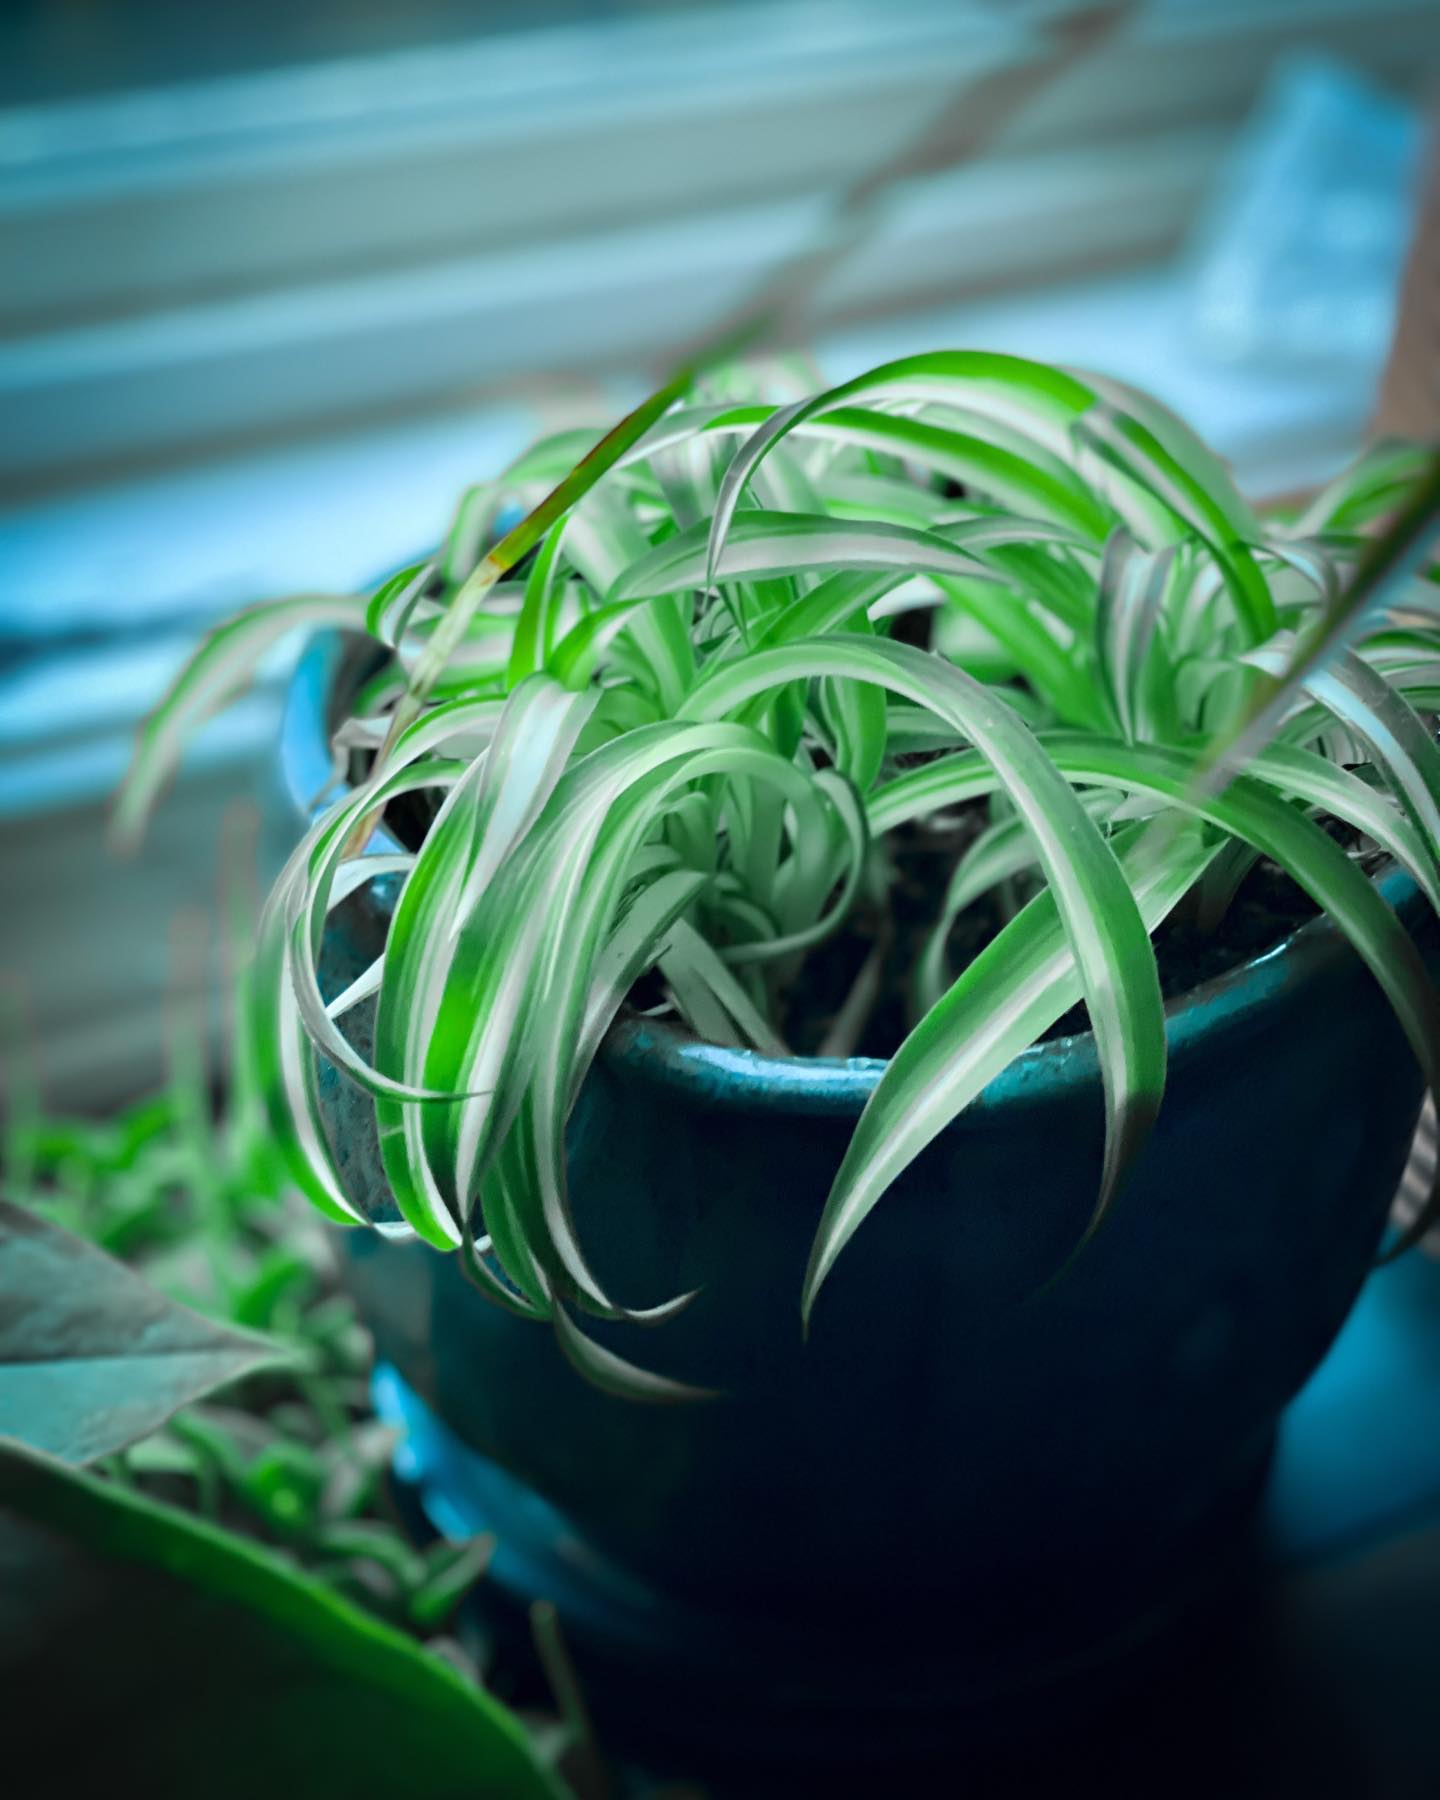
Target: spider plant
x=668 y=721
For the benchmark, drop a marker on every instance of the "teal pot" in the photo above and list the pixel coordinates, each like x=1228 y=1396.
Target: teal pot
x=970 y=1478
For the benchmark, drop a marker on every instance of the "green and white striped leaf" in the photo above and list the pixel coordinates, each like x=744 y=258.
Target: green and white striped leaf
x=1037 y=401
x=1009 y=995
x=670 y=743
x=1110 y=943
x=1378 y=715
x=1245 y=810
x=1388 y=561
x=224 y=663
x=1208 y=513
x=767 y=543
x=1128 y=610
x=1003 y=850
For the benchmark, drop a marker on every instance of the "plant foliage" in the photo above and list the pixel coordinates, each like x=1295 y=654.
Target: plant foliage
x=248 y=1547
x=91 y=1357
x=667 y=722
x=208 y=1665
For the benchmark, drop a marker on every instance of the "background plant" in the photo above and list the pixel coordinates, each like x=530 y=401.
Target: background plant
x=242 y=1557
x=669 y=718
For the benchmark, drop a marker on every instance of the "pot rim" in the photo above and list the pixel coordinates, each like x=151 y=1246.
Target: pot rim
x=1215 y=1014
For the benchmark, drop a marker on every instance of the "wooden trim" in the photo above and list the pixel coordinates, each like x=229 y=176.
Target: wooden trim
x=1409 y=404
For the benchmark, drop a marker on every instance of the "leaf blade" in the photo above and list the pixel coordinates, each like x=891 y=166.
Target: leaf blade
x=91 y=1356
x=336 y=1702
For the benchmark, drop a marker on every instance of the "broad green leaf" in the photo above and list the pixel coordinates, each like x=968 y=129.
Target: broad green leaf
x=91 y=1356
x=139 y=1641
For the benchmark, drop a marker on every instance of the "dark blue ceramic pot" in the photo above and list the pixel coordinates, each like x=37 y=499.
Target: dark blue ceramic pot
x=966 y=1480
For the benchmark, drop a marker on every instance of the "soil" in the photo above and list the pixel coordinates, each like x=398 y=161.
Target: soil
x=1266 y=909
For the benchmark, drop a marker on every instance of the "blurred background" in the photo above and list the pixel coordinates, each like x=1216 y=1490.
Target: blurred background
x=278 y=280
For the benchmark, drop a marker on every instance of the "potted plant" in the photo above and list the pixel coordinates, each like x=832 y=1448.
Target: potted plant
x=727 y=852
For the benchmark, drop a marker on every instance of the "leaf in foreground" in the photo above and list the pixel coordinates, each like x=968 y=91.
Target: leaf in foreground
x=136 y=1640
x=91 y=1356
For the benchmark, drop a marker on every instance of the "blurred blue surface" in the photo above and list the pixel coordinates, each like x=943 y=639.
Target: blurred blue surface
x=1359 y=1455
x=1298 y=254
